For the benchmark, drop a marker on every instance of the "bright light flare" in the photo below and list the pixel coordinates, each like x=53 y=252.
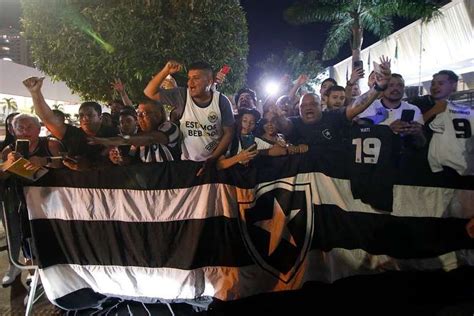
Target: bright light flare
x=272 y=88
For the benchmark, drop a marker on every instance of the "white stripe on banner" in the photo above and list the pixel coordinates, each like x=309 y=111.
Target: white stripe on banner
x=197 y=202
x=212 y=200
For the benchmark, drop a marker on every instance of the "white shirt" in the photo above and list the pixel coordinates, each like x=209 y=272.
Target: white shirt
x=388 y=116
x=201 y=128
x=452 y=144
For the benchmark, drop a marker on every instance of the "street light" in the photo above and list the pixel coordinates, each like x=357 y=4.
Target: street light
x=272 y=87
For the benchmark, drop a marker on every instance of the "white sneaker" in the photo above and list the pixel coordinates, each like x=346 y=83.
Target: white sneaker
x=10 y=276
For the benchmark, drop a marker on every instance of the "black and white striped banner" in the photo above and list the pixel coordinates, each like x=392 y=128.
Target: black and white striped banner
x=156 y=232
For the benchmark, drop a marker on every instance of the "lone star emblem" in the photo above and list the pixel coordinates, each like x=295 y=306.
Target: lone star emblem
x=277 y=226
x=327 y=134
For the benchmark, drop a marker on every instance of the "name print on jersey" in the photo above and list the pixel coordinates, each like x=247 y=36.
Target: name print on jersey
x=197 y=129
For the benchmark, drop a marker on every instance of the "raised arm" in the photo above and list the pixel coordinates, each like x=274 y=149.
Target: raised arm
x=52 y=123
x=302 y=79
x=357 y=73
x=118 y=86
x=152 y=90
x=366 y=99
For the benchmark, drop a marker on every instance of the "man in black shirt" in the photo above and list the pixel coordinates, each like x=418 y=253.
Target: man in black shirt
x=75 y=139
x=315 y=127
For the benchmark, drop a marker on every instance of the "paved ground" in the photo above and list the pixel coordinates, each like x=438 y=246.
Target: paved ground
x=11 y=298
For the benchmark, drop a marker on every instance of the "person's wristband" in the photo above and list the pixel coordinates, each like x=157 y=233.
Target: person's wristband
x=379 y=88
x=349 y=83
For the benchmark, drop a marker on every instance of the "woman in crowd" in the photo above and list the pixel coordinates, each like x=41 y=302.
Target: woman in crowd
x=9 y=134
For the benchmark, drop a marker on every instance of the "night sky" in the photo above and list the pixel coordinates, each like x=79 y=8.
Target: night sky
x=270 y=33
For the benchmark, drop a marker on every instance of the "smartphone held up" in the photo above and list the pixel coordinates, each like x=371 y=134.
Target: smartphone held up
x=408 y=115
x=222 y=73
x=247 y=141
x=22 y=146
x=225 y=69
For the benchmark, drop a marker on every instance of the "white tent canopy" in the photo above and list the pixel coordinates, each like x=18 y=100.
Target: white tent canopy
x=420 y=50
x=12 y=75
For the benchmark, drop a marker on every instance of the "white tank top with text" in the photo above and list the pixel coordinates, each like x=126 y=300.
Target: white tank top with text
x=201 y=128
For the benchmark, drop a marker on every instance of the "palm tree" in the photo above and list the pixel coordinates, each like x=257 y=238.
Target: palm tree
x=9 y=106
x=58 y=107
x=351 y=17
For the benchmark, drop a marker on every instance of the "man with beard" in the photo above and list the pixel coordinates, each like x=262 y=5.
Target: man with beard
x=388 y=111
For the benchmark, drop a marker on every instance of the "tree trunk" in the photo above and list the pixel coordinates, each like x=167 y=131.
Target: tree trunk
x=356 y=43
x=357 y=38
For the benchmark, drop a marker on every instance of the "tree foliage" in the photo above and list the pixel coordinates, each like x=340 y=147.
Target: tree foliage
x=87 y=43
x=351 y=17
x=292 y=62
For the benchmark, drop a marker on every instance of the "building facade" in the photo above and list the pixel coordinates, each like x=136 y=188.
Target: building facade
x=14 y=47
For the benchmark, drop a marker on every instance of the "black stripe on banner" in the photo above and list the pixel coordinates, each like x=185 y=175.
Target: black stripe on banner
x=187 y=244
x=149 y=176
x=399 y=237
x=413 y=170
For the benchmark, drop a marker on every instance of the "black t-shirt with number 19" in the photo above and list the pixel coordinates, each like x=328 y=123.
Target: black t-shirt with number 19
x=374 y=156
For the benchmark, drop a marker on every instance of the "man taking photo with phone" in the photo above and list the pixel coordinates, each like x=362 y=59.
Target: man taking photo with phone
x=402 y=117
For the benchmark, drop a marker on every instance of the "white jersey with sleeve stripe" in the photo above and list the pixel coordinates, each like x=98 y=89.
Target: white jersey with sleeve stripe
x=388 y=116
x=201 y=128
x=452 y=144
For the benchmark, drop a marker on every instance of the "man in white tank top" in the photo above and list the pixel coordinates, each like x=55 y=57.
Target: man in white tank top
x=205 y=116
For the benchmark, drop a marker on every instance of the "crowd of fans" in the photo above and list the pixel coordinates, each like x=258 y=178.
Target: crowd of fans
x=201 y=124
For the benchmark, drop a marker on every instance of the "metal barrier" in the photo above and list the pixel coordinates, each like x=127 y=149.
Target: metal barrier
x=12 y=206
